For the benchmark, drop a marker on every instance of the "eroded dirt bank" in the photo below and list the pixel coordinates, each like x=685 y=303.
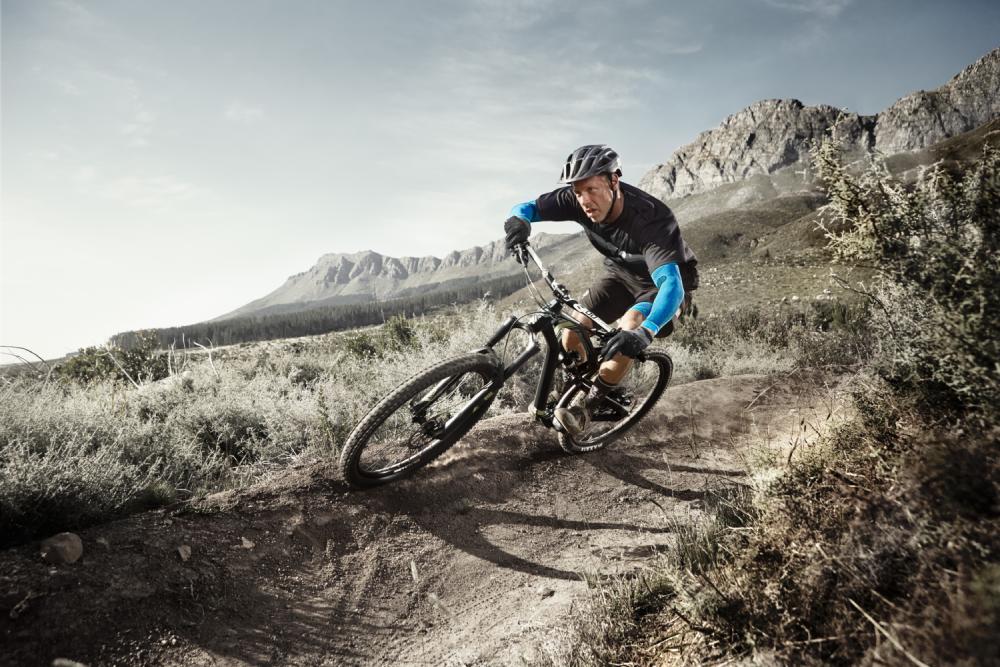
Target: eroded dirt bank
x=478 y=559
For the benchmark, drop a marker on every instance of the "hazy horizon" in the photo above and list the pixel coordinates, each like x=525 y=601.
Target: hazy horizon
x=165 y=163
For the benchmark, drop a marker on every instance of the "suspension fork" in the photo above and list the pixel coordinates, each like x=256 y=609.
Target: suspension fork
x=548 y=366
x=448 y=384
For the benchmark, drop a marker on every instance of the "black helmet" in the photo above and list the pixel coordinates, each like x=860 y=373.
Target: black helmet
x=590 y=160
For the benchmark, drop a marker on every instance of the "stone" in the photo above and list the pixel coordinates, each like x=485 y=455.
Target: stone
x=184 y=551
x=63 y=549
x=545 y=591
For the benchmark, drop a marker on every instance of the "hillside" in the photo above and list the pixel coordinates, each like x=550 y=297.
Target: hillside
x=474 y=562
x=820 y=483
x=753 y=156
x=771 y=136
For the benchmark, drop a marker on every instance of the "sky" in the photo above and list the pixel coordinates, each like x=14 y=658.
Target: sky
x=163 y=163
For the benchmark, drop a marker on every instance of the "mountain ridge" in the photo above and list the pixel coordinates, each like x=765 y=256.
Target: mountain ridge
x=755 y=154
x=772 y=134
x=341 y=278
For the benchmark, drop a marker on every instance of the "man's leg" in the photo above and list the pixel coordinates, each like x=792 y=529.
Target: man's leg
x=571 y=339
x=608 y=297
x=613 y=370
x=577 y=417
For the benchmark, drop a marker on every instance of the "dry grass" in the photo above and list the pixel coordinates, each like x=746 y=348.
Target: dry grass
x=881 y=545
x=75 y=453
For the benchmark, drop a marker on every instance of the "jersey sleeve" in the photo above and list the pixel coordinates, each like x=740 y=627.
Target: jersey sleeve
x=527 y=211
x=558 y=205
x=661 y=243
x=669 y=296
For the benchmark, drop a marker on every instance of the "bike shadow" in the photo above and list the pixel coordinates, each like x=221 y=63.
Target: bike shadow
x=631 y=469
x=472 y=499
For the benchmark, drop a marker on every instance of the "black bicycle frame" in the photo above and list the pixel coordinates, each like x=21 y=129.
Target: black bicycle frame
x=545 y=324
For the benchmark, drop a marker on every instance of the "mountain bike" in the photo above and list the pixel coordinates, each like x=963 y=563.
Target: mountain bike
x=433 y=409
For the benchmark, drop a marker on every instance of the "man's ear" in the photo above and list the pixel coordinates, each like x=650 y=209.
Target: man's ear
x=614 y=181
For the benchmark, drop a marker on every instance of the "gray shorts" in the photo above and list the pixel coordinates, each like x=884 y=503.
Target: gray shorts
x=618 y=290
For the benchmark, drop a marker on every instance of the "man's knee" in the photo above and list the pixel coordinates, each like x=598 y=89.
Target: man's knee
x=571 y=337
x=584 y=321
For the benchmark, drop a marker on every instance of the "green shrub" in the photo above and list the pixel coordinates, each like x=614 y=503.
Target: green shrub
x=362 y=345
x=936 y=247
x=140 y=363
x=399 y=333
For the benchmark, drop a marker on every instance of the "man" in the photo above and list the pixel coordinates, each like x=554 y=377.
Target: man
x=645 y=259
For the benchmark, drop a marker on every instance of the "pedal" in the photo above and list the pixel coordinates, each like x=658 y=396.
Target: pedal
x=606 y=412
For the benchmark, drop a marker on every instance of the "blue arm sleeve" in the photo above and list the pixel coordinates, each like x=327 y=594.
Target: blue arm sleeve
x=668 y=299
x=527 y=211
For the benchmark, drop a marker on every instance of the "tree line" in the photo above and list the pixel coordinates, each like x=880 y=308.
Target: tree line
x=314 y=321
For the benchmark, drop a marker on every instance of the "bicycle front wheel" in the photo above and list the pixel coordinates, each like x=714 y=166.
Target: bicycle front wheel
x=635 y=396
x=420 y=419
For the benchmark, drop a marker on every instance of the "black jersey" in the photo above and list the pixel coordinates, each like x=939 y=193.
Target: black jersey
x=643 y=238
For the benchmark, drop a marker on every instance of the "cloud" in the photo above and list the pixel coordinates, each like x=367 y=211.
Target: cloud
x=500 y=15
x=139 y=128
x=239 y=112
x=825 y=8
x=78 y=16
x=154 y=192
x=68 y=87
x=147 y=192
x=493 y=108
x=667 y=36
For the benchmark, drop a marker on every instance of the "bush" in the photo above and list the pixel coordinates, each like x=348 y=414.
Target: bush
x=85 y=451
x=138 y=364
x=936 y=247
x=771 y=339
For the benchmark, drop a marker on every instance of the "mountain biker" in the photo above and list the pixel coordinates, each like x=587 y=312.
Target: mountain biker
x=650 y=270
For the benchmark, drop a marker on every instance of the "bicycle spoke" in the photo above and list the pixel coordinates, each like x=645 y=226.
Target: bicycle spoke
x=635 y=393
x=409 y=432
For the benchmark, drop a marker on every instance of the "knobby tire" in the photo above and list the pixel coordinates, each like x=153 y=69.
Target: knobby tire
x=664 y=370
x=483 y=365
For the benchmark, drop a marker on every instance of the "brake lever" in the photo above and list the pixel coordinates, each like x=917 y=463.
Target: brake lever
x=605 y=337
x=521 y=254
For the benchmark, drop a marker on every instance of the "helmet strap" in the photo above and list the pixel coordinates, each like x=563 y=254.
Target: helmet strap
x=614 y=198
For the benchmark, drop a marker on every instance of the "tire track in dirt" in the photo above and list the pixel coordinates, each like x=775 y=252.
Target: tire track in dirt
x=479 y=559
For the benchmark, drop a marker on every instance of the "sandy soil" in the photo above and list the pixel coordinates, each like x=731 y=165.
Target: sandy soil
x=477 y=560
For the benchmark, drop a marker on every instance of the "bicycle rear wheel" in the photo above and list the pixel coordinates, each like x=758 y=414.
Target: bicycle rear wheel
x=420 y=419
x=635 y=396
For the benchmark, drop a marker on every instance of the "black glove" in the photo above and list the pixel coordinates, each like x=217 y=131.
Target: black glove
x=629 y=343
x=518 y=230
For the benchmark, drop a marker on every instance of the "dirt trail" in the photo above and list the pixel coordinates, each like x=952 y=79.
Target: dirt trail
x=476 y=560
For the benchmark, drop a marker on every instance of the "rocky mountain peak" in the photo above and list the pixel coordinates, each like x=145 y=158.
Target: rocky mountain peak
x=917 y=120
x=771 y=134
x=359 y=276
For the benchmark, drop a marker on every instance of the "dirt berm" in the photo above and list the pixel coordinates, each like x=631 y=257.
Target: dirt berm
x=478 y=559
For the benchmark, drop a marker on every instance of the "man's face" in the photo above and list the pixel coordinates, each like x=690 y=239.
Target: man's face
x=594 y=195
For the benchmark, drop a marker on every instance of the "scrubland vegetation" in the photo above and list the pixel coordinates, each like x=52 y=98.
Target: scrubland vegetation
x=882 y=544
x=113 y=431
